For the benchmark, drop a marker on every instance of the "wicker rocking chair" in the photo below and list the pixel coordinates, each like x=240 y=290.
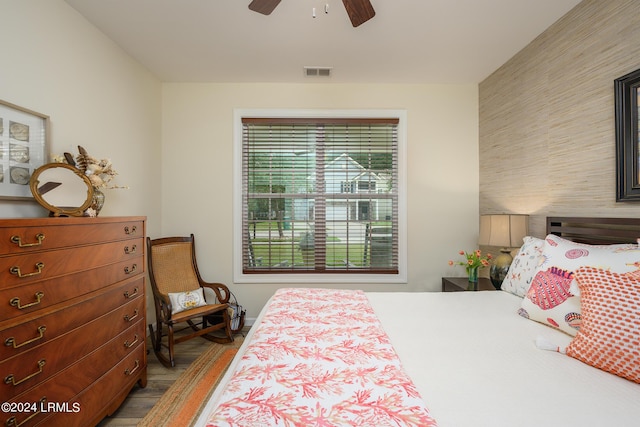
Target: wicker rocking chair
x=173 y=269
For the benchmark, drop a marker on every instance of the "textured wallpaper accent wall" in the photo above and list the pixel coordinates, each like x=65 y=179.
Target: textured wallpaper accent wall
x=546 y=132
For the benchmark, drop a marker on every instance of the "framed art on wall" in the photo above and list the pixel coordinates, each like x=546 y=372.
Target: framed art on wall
x=24 y=138
x=627 y=122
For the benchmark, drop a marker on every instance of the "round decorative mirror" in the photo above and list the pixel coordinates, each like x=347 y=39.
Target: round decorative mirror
x=62 y=189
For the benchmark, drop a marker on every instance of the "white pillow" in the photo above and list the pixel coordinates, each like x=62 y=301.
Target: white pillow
x=181 y=301
x=552 y=298
x=524 y=267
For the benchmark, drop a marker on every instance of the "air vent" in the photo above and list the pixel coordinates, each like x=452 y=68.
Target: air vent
x=317 y=71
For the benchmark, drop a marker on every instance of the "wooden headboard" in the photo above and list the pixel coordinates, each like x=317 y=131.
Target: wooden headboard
x=595 y=231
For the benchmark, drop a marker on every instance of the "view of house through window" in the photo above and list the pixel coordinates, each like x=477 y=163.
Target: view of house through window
x=320 y=195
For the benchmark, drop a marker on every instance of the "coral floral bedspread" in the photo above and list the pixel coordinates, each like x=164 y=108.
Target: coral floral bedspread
x=320 y=358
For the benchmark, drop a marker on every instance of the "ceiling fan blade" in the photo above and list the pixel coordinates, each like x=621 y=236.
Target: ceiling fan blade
x=359 y=11
x=264 y=7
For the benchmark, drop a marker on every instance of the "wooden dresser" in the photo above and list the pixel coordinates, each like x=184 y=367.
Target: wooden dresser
x=72 y=318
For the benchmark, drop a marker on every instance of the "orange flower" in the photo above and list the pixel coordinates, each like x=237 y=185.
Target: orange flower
x=474 y=259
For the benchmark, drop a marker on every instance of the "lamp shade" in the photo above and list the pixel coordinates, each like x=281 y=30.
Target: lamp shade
x=506 y=231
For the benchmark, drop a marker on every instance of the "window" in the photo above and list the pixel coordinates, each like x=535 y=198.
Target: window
x=319 y=196
x=347 y=187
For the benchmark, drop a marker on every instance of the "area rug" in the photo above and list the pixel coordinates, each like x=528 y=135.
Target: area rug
x=182 y=403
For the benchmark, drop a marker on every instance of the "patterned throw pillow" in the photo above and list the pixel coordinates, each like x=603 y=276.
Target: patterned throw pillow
x=524 y=267
x=181 y=301
x=552 y=298
x=610 y=335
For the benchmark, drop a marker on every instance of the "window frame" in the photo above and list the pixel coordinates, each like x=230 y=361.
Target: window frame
x=334 y=277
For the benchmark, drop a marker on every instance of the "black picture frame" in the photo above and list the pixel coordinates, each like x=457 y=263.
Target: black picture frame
x=627 y=92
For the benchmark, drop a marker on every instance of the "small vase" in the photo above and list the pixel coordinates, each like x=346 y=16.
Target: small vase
x=472 y=272
x=98 y=200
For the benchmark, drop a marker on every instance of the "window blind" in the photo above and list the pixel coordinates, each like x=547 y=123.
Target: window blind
x=320 y=195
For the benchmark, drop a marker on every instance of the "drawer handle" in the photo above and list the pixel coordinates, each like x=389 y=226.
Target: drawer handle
x=131 y=318
x=131 y=295
x=131 y=230
x=131 y=371
x=10 y=379
x=15 y=302
x=16 y=270
x=17 y=240
x=11 y=341
x=133 y=250
x=129 y=345
x=131 y=270
x=13 y=422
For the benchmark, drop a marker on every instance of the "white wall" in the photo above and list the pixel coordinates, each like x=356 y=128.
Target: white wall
x=54 y=62
x=442 y=134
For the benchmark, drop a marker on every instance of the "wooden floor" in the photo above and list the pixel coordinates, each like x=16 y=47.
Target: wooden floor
x=141 y=400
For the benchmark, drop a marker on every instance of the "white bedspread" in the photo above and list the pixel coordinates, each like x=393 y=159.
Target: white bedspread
x=475 y=363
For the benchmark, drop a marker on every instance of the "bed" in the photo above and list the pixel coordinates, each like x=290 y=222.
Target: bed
x=462 y=358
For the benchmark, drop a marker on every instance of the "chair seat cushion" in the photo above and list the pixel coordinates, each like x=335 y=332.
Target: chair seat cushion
x=197 y=311
x=181 y=301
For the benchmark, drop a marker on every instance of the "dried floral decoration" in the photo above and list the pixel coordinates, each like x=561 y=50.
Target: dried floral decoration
x=99 y=171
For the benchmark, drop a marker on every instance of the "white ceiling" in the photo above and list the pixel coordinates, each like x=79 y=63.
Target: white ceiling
x=408 y=41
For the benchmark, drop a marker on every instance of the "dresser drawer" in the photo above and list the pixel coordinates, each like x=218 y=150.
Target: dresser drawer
x=60 y=233
x=23 y=269
x=38 y=364
x=45 y=293
x=40 y=329
x=69 y=385
x=94 y=400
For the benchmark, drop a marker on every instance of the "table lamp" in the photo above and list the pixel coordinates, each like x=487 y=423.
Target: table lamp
x=505 y=231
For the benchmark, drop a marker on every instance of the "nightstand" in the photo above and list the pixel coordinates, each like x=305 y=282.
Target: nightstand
x=457 y=284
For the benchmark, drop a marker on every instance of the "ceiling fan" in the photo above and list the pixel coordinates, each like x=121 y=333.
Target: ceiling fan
x=359 y=11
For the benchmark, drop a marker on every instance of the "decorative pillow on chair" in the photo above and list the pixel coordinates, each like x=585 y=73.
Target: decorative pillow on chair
x=181 y=301
x=551 y=299
x=609 y=338
x=524 y=266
